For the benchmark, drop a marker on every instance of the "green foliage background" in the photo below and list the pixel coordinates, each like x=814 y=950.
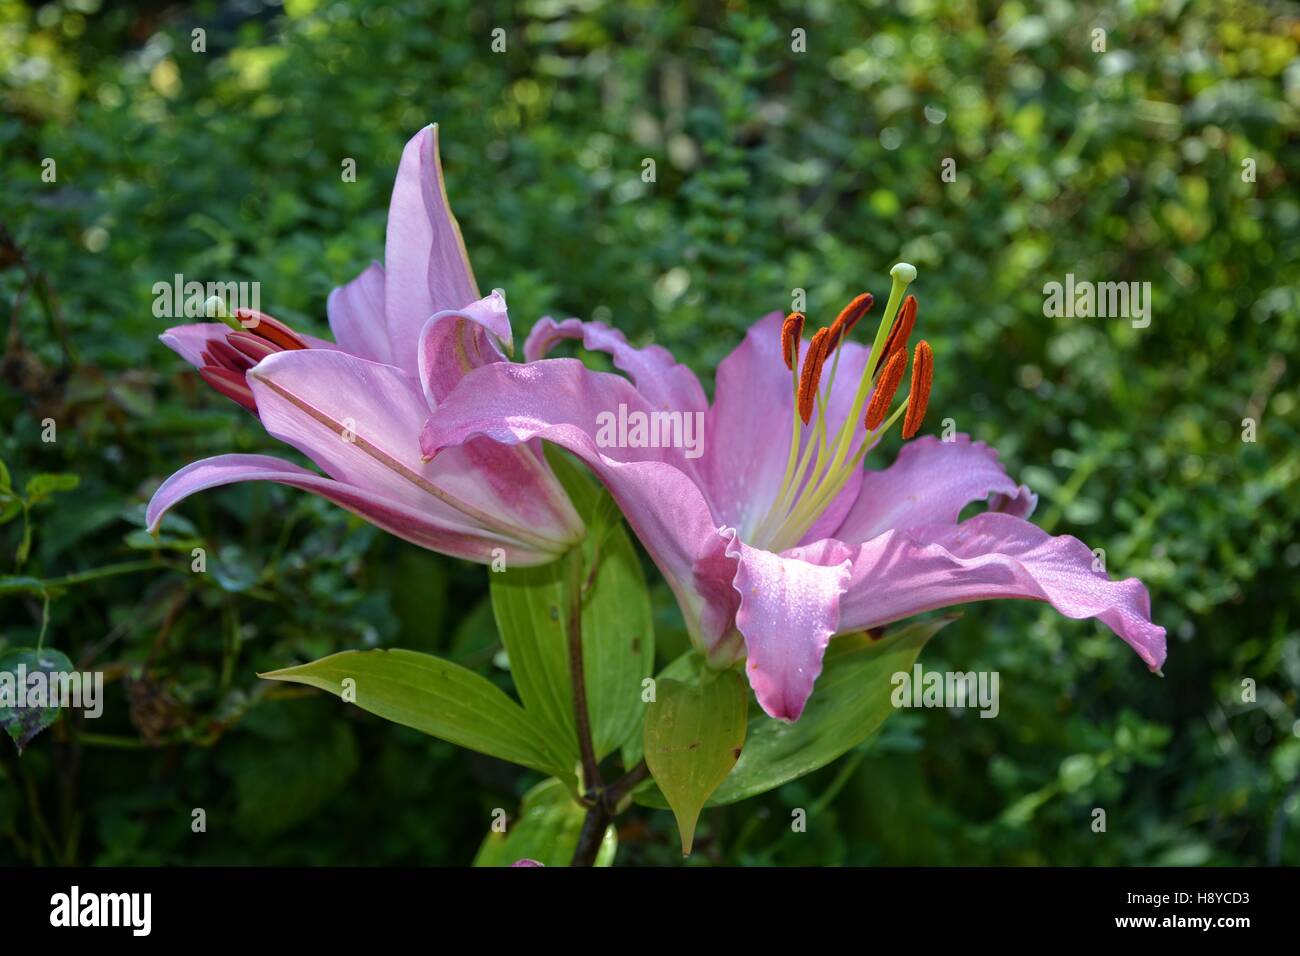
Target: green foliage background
x=775 y=170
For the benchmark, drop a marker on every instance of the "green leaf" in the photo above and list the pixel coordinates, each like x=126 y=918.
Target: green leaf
x=532 y=607
x=850 y=701
x=39 y=487
x=689 y=668
x=433 y=696
x=617 y=639
x=693 y=737
x=529 y=605
x=5 y=480
x=21 y=720
x=277 y=787
x=547 y=831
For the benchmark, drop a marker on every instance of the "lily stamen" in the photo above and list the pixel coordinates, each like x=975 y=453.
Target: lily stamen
x=273 y=330
x=849 y=317
x=887 y=386
x=812 y=372
x=919 y=396
x=825 y=465
x=791 y=337
x=900 y=333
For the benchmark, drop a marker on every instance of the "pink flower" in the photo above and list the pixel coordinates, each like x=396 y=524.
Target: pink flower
x=775 y=538
x=407 y=332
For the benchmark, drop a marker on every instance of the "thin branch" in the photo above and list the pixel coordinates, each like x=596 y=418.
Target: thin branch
x=613 y=794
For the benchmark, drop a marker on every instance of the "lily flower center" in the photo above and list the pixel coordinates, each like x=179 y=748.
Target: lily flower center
x=255 y=336
x=815 y=476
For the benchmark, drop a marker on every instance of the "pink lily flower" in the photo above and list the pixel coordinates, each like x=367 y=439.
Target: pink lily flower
x=774 y=538
x=406 y=333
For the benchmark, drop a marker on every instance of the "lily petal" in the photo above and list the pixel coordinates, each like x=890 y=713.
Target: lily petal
x=426 y=267
x=445 y=536
x=789 y=608
x=748 y=432
x=992 y=555
x=560 y=400
x=665 y=383
x=456 y=341
x=360 y=422
x=356 y=314
x=930 y=482
x=191 y=341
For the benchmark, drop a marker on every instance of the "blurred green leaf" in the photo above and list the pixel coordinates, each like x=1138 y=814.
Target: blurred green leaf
x=42 y=486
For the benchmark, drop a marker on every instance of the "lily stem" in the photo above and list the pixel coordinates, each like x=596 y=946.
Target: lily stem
x=604 y=808
x=591 y=781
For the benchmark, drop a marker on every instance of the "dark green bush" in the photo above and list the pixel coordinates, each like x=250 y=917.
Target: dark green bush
x=775 y=170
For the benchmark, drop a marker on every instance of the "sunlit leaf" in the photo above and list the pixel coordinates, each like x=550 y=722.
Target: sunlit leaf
x=432 y=695
x=693 y=738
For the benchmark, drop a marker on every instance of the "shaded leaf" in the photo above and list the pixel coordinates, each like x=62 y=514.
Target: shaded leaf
x=22 y=716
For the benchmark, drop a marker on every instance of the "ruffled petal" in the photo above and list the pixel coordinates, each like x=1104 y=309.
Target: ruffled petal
x=665 y=383
x=789 y=608
x=930 y=482
x=426 y=268
x=992 y=555
x=456 y=341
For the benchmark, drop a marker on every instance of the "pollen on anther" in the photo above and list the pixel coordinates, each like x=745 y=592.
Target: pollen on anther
x=812 y=373
x=849 y=317
x=791 y=335
x=883 y=395
x=901 y=332
x=919 y=397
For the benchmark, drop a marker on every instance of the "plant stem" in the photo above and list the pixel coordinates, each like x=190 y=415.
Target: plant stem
x=591 y=781
x=107 y=571
x=601 y=813
x=592 y=835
